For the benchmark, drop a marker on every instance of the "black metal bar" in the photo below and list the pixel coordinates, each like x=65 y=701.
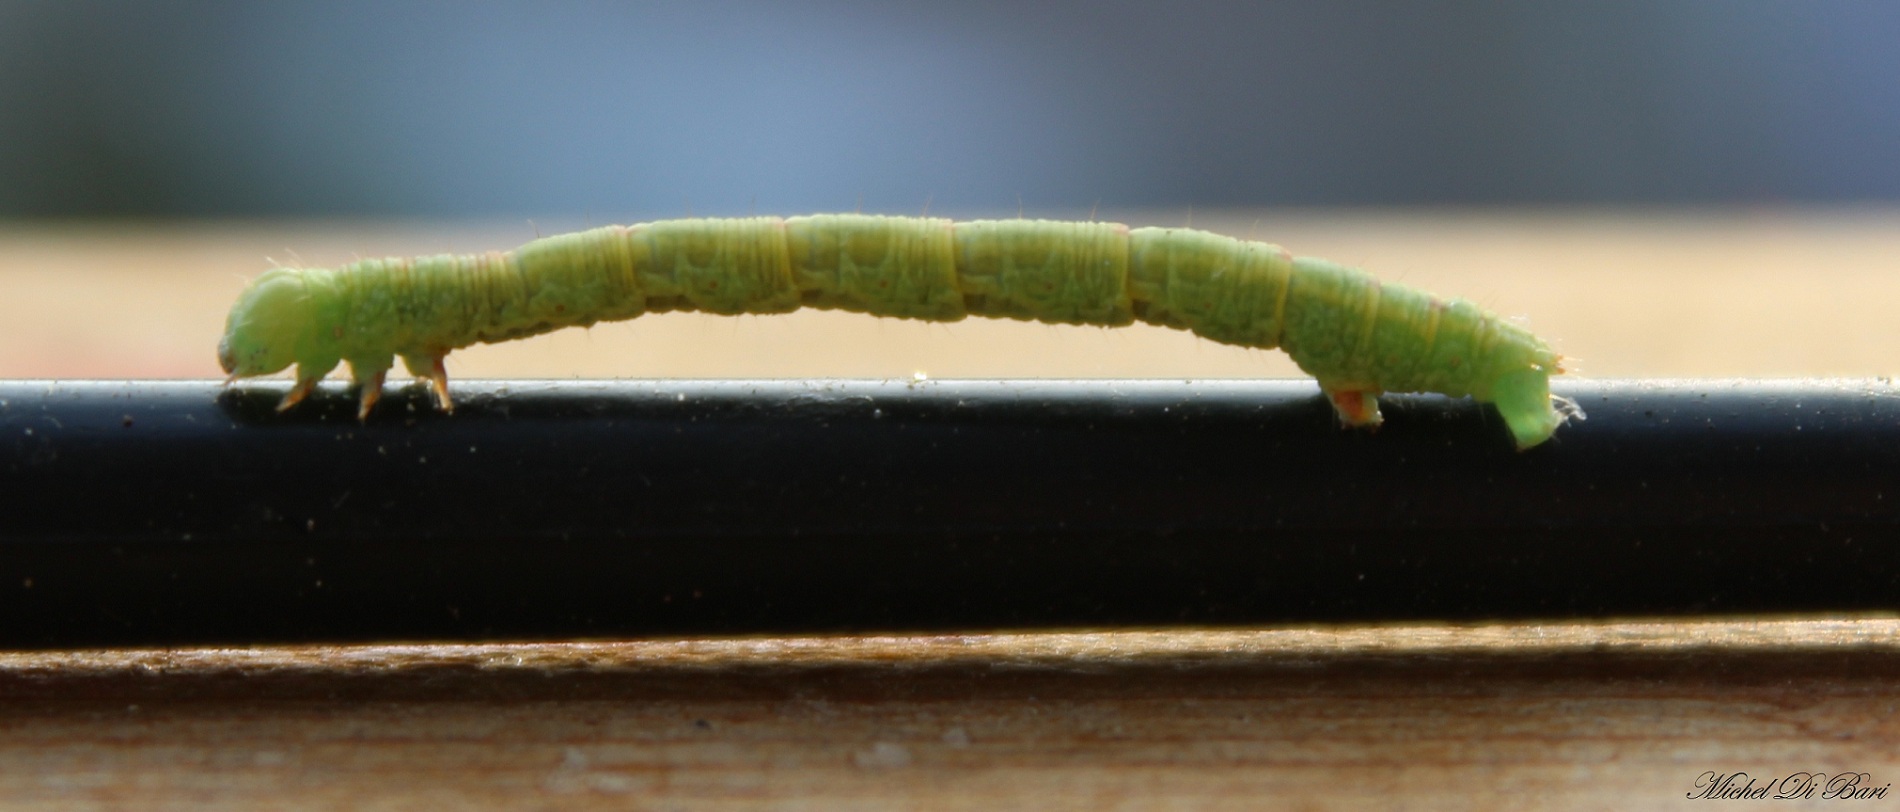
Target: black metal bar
x=169 y=512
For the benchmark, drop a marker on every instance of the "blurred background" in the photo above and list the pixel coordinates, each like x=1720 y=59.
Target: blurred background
x=1644 y=180
x=509 y=110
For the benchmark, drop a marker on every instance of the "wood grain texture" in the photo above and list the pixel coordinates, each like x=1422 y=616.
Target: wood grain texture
x=1559 y=716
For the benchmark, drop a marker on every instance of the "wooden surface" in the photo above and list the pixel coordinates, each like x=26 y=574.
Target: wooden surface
x=1571 y=716
x=1574 y=716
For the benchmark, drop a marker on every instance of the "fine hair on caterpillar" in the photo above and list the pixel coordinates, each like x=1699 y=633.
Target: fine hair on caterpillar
x=1357 y=335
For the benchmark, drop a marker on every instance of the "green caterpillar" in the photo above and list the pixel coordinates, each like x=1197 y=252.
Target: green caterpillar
x=1359 y=336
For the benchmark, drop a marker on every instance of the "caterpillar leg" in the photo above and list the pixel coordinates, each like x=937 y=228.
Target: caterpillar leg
x=308 y=374
x=297 y=393
x=430 y=369
x=369 y=384
x=439 y=384
x=1357 y=408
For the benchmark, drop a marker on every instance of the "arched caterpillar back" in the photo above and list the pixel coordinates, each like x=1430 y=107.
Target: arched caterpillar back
x=1359 y=336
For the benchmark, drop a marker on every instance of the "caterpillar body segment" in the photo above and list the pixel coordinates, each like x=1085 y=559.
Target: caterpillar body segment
x=1358 y=336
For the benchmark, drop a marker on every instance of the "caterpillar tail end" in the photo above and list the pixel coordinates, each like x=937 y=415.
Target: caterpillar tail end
x=1357 y=408
x=1529 y=410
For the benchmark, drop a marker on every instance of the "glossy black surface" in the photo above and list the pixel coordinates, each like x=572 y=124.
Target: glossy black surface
x=169 y=512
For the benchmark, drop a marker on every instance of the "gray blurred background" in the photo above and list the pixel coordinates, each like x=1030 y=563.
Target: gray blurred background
x=620 y=110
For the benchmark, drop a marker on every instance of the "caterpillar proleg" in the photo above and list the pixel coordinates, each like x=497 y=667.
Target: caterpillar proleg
x=1357 y=335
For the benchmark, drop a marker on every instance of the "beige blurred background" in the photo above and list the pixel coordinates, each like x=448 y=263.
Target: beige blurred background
x=1773 y=293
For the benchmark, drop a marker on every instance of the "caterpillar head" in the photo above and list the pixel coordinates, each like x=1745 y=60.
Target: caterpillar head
x=268 y=326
